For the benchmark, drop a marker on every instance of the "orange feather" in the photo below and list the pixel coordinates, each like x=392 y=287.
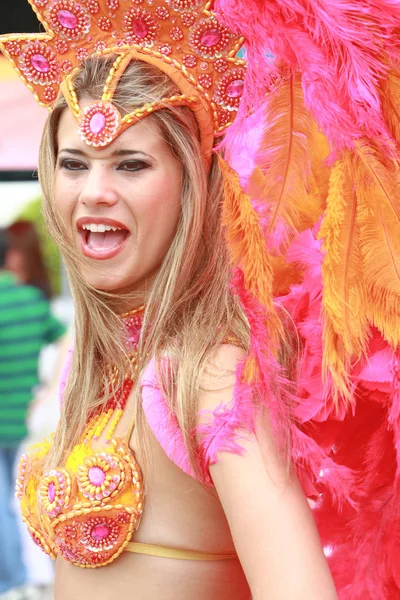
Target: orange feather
x=292 y=151
x=344 y=300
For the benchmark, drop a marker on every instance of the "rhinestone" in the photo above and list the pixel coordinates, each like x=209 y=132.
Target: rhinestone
x=40 y=63
x=139 y=28
x=51 y=491
x=67 y=19
x=211 y=37
x=235 y=88
x=100 y=532
x=97 y=475
x=97 y=123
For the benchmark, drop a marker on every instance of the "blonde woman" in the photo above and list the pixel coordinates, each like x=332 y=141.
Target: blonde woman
x=249 y=524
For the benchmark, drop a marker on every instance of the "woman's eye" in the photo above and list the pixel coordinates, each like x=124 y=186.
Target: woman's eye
x=72 y=165
x=133 y=165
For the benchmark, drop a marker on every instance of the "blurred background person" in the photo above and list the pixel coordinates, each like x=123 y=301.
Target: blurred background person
x=26 y=326
x=25 y=258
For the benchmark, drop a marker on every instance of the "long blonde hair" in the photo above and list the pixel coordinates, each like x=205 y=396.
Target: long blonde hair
x=189 y=309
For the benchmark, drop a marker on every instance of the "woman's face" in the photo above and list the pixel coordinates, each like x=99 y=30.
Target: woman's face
x=120 y=205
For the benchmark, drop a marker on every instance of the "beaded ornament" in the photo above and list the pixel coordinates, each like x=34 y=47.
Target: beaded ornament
x=89 y=507
x=183 y=38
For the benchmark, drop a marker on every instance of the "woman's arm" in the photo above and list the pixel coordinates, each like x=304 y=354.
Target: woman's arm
x=271 y=523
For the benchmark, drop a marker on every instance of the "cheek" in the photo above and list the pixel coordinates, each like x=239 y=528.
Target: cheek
x=64 y=200
x=159 y=215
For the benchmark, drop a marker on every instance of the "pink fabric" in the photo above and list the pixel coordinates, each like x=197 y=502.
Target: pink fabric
x=163 y=424
x=64 y=375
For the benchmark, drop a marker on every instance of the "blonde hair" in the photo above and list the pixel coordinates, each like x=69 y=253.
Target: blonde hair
x=190 y=307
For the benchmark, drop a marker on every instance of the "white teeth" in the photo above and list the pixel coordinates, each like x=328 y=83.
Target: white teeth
x=99 y=228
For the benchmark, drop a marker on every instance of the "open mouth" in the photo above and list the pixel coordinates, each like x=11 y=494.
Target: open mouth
x=101 y=240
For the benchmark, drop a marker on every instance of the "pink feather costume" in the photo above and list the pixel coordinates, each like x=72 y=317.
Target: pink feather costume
x=334 y=74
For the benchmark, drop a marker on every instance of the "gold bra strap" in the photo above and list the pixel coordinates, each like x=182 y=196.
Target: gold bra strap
x=165 y=552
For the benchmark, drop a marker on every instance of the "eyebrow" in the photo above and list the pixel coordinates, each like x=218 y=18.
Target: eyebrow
x=77 y=152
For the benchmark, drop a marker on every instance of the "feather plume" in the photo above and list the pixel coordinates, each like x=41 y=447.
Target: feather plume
x=390 y=95
x=377 y=189
x=246 y=244
x=344 y=302
x=287 y=198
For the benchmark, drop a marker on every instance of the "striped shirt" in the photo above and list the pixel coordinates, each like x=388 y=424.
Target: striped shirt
x=26 y=325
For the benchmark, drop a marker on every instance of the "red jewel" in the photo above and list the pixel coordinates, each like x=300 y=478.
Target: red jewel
x=66 y=66
x=82 y=54
x=113 y=4
x=221 y=65
x=176 y=34
x=93 y=7
x=205 y=81
x=49 y=94
x=99 y=46
x=185 y=4
x=14 y=48
x=61 y=46
x=187 y=19
x=189 y=60
x=104 y=23
x=162 y=13
x=165 y=49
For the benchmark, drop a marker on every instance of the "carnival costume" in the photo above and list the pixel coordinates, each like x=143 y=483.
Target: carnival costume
x=310 y=114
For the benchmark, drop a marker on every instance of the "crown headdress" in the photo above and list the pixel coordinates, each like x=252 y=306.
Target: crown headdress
x=183 y=38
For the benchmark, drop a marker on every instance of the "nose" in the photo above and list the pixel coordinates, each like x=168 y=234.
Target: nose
x=98 y=188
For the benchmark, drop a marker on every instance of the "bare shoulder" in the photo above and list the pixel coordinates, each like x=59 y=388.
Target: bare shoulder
x=217 y=380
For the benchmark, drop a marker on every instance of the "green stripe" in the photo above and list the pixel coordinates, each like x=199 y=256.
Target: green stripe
x=27 y=330
x=13 y=414
x=17 y=397
x=39 y=310
x=20 y=349
x=18 y=382
x=18 y=367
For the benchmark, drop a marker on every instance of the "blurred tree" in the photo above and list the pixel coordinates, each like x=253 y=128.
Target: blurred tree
x=33 y=212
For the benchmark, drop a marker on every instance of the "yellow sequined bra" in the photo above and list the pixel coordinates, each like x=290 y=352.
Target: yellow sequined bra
x=88 y=509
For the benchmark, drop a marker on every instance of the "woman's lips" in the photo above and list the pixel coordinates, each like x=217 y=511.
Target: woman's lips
x=102 y=246
x=101 y=238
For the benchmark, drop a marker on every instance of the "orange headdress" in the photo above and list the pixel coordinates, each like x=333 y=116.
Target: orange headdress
x=182 y=38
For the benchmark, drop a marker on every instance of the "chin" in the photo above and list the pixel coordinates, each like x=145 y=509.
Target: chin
x=107 y=282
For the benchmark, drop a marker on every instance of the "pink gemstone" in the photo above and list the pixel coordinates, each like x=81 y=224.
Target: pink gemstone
x=40 y=63
x=97 y=123
x=140 y=28
x=211 y=37
x=100 y=532
x=51 y=491
x=96 y=476
x=67 y=19
x=235 y=88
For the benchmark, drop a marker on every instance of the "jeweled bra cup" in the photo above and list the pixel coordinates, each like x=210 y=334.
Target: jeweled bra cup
x=89 y=509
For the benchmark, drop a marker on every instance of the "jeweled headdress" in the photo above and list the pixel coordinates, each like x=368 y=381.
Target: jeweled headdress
x=182 y=38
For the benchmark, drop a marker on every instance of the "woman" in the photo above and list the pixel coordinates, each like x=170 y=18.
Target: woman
x=151 y=184
x=178 y=413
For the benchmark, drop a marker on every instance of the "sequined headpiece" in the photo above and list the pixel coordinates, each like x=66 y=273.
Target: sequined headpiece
x=182 y=38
